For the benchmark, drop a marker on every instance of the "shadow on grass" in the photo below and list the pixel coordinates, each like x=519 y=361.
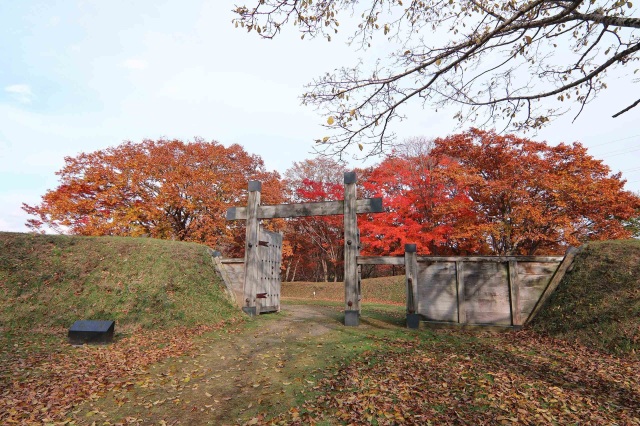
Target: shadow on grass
x=582 y=375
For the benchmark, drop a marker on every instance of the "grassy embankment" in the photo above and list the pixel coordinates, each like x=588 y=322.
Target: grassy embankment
x=160 y=293
x=48 y=282
x=598 y=303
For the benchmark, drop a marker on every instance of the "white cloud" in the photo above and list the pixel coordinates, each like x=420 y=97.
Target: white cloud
x=135 y=64
x=20 y=92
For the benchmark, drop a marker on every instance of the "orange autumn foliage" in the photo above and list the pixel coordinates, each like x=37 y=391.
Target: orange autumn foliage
x=482 y=193
x=531 y=198
x=472 y=193
x=164 y=189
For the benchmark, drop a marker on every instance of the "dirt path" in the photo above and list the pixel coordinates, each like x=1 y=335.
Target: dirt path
x=264 y=365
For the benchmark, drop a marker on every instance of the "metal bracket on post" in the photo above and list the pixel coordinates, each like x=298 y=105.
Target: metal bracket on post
x=249 y=310
x=351 y=318
x=413 y=320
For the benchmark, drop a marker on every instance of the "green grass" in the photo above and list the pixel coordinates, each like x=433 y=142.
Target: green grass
x=50 y=281
x=598 y=302
x=388 y=290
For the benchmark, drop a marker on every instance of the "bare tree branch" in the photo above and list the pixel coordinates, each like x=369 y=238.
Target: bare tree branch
x=633 y=105
x=517 y=63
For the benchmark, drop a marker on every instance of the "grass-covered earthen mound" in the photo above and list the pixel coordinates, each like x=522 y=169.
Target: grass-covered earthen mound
x=598 y=302
x=162 y=295
x=52 y=281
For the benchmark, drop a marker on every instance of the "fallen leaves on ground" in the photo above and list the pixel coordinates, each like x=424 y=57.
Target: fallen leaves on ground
x=43 y=383
x=451 y=379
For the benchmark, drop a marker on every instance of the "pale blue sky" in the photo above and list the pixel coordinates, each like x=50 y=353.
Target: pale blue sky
x=81 y=76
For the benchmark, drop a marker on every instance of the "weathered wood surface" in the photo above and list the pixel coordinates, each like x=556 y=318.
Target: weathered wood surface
x=351 y=250
x=497 y=290
x=380 y=260
x=554 y=282
x=499 y=259
x=533 y=279
x=411 y=277
x=486 y=293
x=235 y=272
x=462 y=306
x=514 y=289
x=251 y=259
x=437 y=292
x=231 y=260
x=270 y=255
x=232 y=273
x=322 y=208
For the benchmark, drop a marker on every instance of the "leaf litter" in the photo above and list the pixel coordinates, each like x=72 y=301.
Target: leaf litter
x=454 y=378
x=428 y=377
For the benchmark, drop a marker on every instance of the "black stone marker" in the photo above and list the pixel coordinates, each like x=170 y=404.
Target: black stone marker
x=91 y=331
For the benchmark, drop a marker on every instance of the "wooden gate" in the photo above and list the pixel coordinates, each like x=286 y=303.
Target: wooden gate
x=268 y=286
x=254 y=212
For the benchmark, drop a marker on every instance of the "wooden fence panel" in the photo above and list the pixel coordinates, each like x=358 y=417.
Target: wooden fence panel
x=437 y=294
x=533 y=278
x=486 y=293
x=482 y=290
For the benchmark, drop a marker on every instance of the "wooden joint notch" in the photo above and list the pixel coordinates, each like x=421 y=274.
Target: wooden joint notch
x=263 y=243
x=261 y=296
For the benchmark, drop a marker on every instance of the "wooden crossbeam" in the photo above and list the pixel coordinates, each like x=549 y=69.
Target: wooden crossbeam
x=380 y=260
x=323 y=208
x=499 y=259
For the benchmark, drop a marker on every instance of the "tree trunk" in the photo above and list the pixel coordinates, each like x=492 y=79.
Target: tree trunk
x=325 y=272
x=295 y=268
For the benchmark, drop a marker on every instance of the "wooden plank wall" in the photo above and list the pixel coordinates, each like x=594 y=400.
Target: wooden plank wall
x=270 y=254
x=232 y=273
x=486 y=293
x=482 y=290
x=437 y=291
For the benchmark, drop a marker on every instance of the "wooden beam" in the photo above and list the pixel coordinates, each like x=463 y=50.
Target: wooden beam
x=541 y=259
x=555 y=281
x=231 y=260
x=323 y=208
x=351 y=251
x=514 y=293
x=411 y=278
x=252 y=261
x=380 y=260
x=462 y=301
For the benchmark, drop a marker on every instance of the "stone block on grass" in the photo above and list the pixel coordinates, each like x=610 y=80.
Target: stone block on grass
x=91 y=331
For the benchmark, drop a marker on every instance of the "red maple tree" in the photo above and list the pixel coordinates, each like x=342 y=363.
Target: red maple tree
x=479 y=192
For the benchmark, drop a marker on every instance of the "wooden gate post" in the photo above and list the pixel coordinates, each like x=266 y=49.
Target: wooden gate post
x=411 y=273
x=351 y=251
x=251 y=258
x=349 y=208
